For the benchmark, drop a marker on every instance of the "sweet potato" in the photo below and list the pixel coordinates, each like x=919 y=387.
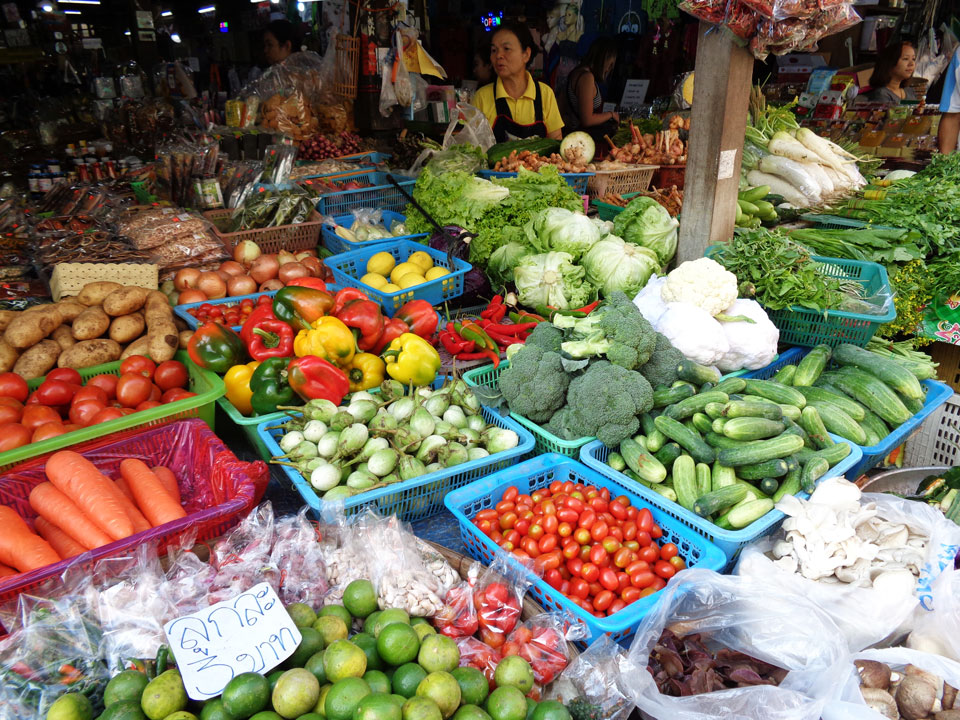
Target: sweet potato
x=140 y=346
x=127 y=328
x=90 y=352
x=70 y=310
x=95 y=292
x=8 y=356
x=29 y=328
x=91 y=323
x=38 y=360
x=124 y=301
x=64 y=337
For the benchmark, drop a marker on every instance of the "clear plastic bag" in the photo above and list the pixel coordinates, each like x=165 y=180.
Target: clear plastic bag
x=304 y=72
x=477 y=654
x=298 y=555
x=400 y=576
x=476 y=128
x=599 y=677
x=711 y=11
x=765 y=621
x=938 y=630
x=542 y=641
x=277 y=163
x=242 y=558
x=458 y=618
x=498 y=597
x=290 y=113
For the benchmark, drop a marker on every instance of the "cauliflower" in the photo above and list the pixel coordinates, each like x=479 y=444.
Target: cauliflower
x=752 y=345
x=692 y=331
x=704 y=283
x=649 y=301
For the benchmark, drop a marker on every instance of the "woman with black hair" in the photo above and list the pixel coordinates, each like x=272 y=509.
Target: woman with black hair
x=583 y=95
x=280 y=40
x=895 y=64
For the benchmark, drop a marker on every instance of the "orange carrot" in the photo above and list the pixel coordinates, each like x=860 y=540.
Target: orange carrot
x=122 y=484
x=19 y=547
x=97 y=497
x=152 y=499
x=169 y=480
x=136 y=517
x=7 y=571
x=56 y=508
x=65 y=545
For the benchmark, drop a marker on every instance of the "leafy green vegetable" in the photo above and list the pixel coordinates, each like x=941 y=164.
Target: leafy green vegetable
x=563 y=230
x=452 y=198
x=613 y=264
x=504 y=259
x=551 y=279
x=646 y=222
x=870 y=244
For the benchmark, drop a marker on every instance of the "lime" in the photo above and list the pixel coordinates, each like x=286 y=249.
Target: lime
x=315 y=665
x=550 y=710
x=471 y=712
x=72 y=706
x=273 y=677
x=398 y=643
x=368 y=643
x=311 y=716
x=398 y=699
x=214 y=710
x=514 y=671
x=181 y=715
x=360 y=598
x=442 y=688
x=370 y=622
x=474 y=687
x=378 y=681
x=506 y=703
x=343 y=659
x=331 y=628
x=407 y=678
x=378 y=707
x=128 y=685
x=321 y=701
x=266 y=715
x=421 y=708
x=296 y=693
x=344 y=697
x=388 y=617
x=311 y=643
x=336 y=611
x=301 y=614
x=419 y=621
x=247 y=694
x=164 y=695
x=422 y=629
x=130 y=710
x=531 y=706
x=438 y=652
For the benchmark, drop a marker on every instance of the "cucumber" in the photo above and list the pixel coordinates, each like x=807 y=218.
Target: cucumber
x=785 y=375
x=714 y=410
x=748 y=207
x=804 y=454
x=766 y=209
x=730 y=385
x=701 y=422
x=696 y=373
x=745 y=514
x=872 y=424
x=706 y=386
x=760 y=450
x=664 y=396
x=655 y=438
x=645 y=465
x=754 y=194
x=892 y=373
x=717 y=425
x=780 y=394
x=722 y=476
x=813 y=470
x=813 y=424
x=812 y=364
x=873 y=393
x=684 y=383
x=666 y=491
x=704 y=479
x=718 y=500
x=752 y=428
x=688 y=406
x=688 y=424
x=839 y=423
x=835 y=453
x=790 y=485
x=716 y=440
x=912 y=405
x=740 y=409
x=693 y=444
x=684 y=475
x=794 y=429
x=752 y=491
x=616 y=461
x=668 y=453
x=790 y=411
x=758 y=471
x=820 y=394
x=769 y=485
x=636 y=478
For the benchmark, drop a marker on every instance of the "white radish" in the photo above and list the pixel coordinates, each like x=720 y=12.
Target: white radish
x=794 y=173
x=778 y=186
x=842 y=183
x=839 y=150
x=853 y=172
x=784 y=145
x=821 y=148
x=823 y=180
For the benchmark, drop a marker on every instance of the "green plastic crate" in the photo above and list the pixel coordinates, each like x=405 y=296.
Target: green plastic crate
x=606 y=211
x=207 y=385
x=835 y=222
x=249 y=425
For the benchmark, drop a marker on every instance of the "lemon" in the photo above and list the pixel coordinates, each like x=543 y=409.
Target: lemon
x=402 y=269
x=421 y=259
x=436 y=272
x=390 y=288
x=381 y=263
x=374 y=280
x=411 y=279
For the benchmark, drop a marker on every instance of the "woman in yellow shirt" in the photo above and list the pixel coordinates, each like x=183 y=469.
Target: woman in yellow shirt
x=517 y=106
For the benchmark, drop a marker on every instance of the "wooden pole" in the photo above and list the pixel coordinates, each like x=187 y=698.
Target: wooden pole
x=721 y=96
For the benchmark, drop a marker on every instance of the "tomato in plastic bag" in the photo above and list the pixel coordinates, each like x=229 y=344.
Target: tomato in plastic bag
x=543 y=647
x=498 y=610
x=459 y=616
x=479 y=655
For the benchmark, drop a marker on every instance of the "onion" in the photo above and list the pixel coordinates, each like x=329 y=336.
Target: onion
x=285 y=256
x=264 y=268
x=246 y=252
x=241 y=285
x=223 y=274
x=212 y=285
x=186 y=279
x=305 y=253
x=232 y=267
x=272 y=284
x=314 y=266
x=291 y=271
x=191 y=296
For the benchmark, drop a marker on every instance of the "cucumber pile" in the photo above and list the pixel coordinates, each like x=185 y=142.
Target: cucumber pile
x=752 y=209
x=729 y=449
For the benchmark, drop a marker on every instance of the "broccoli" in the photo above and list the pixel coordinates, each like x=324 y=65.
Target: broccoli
x=616 y=330
x=535 y=383
x=605 y=401
x=546 y=337
x=661 y=368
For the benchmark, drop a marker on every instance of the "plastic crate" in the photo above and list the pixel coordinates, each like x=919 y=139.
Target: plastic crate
x=621 y=182
x=382 y=195
x=670 y=175
x=729 y=541
x=539 y=472
x=207 y=385
x=803 y=326
x=834 y=222
x=373 y=157
x=578 y=181
x=937 y=442
x=349 y=267
x=183 y=311
x=415 y=499
x=336 y=244
x=294 y=238
x=216 y=489
x=606 y=211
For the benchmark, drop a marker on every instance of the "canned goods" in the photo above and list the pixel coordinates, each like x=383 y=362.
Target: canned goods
x=45 y=182
x=53 y=166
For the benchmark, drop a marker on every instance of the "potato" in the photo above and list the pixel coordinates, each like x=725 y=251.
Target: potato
x=29 y=328
x=95 y=292
x=38 y=360
x=5 y=317
x=140 y=346
x=124 y=301
x=164 y=341
x=8 y=356
x=64 y=337
x=90 y=352
x=185 y=336
x=70 y=310
x=91 y=323
x=157 y=308
x=127 y=328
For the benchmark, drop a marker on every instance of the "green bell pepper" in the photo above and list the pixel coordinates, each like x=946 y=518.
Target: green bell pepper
x=270 y=386
x=216 y=347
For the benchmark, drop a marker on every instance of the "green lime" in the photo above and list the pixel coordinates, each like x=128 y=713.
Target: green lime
x=321 y=701
x=398 y=699
x=214 y=710
x=371 y=620
x=296 y=693
x=130 y=710
x=343 y=659
x=506 y=703
x=311 y=643
x=246 y=695
x=128 y=685
x=164 y=695
x=368 y=643
x=471 y=712
x=311 y=716
x=438 y=652
x=336 y=611
x=421 y=708
x=398 y=643
x=360 y=598
x=181 y=715
x=301 y=614
x=406 y=678
x=378 y=681
x=550 y=710
x=331 y=628
x=419 y=621
x=423 y=630
x=266 y=715
x=378 y=707
x=344 y=697
x=474 y=687
x=315 y=665
x=531 y=706
x=443 y=689
x=273 y=677
x=514 y=671
x=388 y=617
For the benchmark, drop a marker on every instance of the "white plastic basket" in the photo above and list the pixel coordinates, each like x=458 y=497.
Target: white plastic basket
x=937 y=442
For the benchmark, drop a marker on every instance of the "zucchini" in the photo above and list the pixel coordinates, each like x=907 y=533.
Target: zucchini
x=758 y=451
x=780 y=394
x=684 y=475
x=689 y=441
x=717 y=500
x=813 y=470
x=872 y=424
x=541 y=146
x=664 y=396
x=839 y=423
x=745 y=514
x=742 y=408
x=719 y=441
x=697 y=403
x=813 y=424
x=794 y=429
x=890 y=372
x=668 y=453
x=616 y=461
x=701 y=422
x=666 y=491
x=768 y=486
x=655 y=438
x=812 y=364
x=714 y=410
x=641 y=462
x=873 y=393
x=790 y=485
x=821 y=394
x=785 y=375
x=752 y=428
x=770 y=469
x=704 y=479
x=722 y=476
x=697 y=373
x=730 y=385
x=717 y=425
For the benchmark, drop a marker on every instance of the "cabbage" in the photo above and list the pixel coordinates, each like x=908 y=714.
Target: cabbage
x=561 y=230
x=646 y=222
x=551 y=279
x=613 y=264
x=503 y=260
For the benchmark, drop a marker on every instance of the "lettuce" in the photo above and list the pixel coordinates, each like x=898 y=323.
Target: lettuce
x=551 y=279
x=452 y=197
x=646 y=222
x=560 y=229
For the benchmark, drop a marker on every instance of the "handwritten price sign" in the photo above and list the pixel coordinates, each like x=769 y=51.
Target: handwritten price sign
x=251 y=632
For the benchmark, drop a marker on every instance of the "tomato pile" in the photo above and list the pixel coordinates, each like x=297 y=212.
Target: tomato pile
x=228 y=313
x=62 y=403
x=600 y=552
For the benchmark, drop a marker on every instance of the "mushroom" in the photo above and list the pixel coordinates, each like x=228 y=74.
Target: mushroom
x=873 y=674
x=949 y=696
x=935 y=680
x=948 y=715
x=915 y=697
x=881 y=701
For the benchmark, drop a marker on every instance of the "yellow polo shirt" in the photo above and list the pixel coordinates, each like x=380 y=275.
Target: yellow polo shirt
x=521 y=109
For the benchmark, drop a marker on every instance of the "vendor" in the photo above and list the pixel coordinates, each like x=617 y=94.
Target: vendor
x=279 y=41
x=482 y=65
x=516 y=105
x=583 y=91
x=895 y=65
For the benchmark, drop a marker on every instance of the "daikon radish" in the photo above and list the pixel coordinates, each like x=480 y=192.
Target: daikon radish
x=823 y=180
x=821 y=147
x=778 y=186
x=795 y=174
x=784 y=145
x=841 y=181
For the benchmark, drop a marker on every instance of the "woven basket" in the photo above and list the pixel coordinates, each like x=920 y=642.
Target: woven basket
x=620 y=182
x=293 y=238
x=68 y=279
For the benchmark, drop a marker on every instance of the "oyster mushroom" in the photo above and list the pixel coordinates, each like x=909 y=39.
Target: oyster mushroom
x=881 y=701
x=915 y=697
x=873 y=674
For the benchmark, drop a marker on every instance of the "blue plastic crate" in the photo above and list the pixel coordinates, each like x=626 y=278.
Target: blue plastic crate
x=729 y=541
x=577 y=181
x=336 y=244
x=416 y=499
x=183 y=311
x=382 y=195
x=349 y=267
x=539 y=472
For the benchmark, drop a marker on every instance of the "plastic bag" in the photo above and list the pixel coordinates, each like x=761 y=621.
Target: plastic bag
x=290 y=113
x=401 y=578
x=477 y=654
x=542 y=641
x=277 y=163
x=303 y=72
x=762 y=620
x=711 y=11
x=349 y=559
x=498 y=597
x=299 y=557
x=476 y=128
x=598 y=677
x=931 y=62
x=458 y=618
x=242 y=558
x=938 y=631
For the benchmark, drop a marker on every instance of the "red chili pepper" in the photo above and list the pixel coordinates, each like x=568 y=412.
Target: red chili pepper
x=455 y=344
x=508 y=329
x=588 y=308
x=495 y=310
x=474 y=355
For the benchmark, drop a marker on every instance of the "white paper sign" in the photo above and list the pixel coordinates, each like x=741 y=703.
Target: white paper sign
x=725 y=167
x=609 y=107
x=251 y=632
x=634 y=93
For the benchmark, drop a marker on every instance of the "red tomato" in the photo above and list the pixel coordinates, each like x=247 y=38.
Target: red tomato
x=637 y=566
x=587 y=519
x=82 y=413
x=575 y=566
x=512 y=536
x=106 y=414
x=133 y=388
x=643 y=538
x=642 y=579
x=656 y=532
x=622 y=557
x=48 y=430
x=590 y=572
x=617 y=510
x=608 y=578
x=668 y=551
x=629 y=530
x=584 y=553
x=139 y=364
x=488 y=514
x=554 y=579
x=14 y=386
x=175 y=394
x=565 y=530
x=659 y=583
x=522 y=527
x=508 y=520
x=14 y=435
x=599 y=530
x=616 y=606
x=36 y=415
x=664 y=569
x=582 y=536
x=107 y=383
x=68 y=375
x=12 y=402
x=10 y=414
x=535 y=531
x=630 y=594
x=529 y=546
x=91 y=392
x=505 y=506
x=56 y=392
x=579 y=588
x=550 y=560
x=547 y=543
x=511 y=493
x=649 y=554
x=603 y=600
x=551 y=523
x=644 y=520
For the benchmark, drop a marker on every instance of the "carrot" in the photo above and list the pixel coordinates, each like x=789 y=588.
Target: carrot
x=124 y=488
x=57 y=509
x=169 y=480
x=19 y=547
x=136 y=517
x=7 y=571
x=151 y=496
x=92 y=491
x=65 y=545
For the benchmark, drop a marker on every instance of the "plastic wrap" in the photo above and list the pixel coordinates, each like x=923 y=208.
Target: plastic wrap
x=938 y=631
x=299 y=557
x=302 y=72
x=598 y=677
x=711 y=11
x=459 y=615
x=243 y=557
x=401 y=577
x=477 y=654
x=542 y=641
x=277 y=163
x=498 y=597
x=290 y=113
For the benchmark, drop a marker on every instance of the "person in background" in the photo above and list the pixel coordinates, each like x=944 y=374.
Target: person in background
x=583 y=95
x=280 y=40
x=482 y=66
x=950 y=107
x=516 y=105
x=895 y=64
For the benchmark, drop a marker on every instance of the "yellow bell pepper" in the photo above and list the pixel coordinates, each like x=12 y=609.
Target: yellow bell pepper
x=327 y=338
x=365 y=371
x=412 y=360
x=237 y=381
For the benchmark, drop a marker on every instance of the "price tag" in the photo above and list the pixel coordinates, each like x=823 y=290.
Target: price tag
x=251 y=632
x=609 y=107
x=634 y=93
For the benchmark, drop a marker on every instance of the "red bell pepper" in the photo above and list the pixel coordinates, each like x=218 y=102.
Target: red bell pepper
x=420 y=316
x=344 y=296
x=365 y=317
x=312 y=378
x=392 y=329
x=310 y=282
x=270 y=338
x=263 y=311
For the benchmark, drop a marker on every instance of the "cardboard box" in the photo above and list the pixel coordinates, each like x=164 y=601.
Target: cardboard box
x=860 y=73
x=796 y=67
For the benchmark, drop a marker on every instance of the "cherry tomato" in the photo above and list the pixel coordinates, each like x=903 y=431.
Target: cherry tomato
x=82 y=413
x=109 y=413
x=668 y=551
x=630 y=594
x=576 y=505
x=579 y=588
x=535 y=531
x=567 y=515
x=629 y=530
x=554 y=579
x=621 y=557
x=590 y=572
x=636 y=566
x=68 y=375
x=571 y=551
x=133 y=388
x=644 y=520
x=107 y=383
x=56 y=392
x=529 y=546
x=575 y=566
x=550 y=560
x=659 y=583
x=647 y=591
x=664 y=569
x=14 y=435
x=603 y=600
x=551 y=523
x=505 y=506
x=11 y=402
x=597 y=555
x=547 y=543
x=91 y=392
x=565 y=530
x=656 y=532
x=599 y=530
x=582 y=536
x=598 y=504
x=643 y=538
x=139 y=364
x=175 y=394
x=587 y=519
x=642 y=579
x=678 y=563
x=508 y=520
x=649 y=554
x=616 y=606
x=36 y=415
x=48 y=430
x=617 y=510
x=584 y=553
x=610 y=544
x=488 y=514
x=623 y=580
x=608 y=578
x=14 y=386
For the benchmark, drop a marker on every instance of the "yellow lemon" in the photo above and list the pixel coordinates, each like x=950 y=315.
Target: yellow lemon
x=390 y=288
x=402 y=269
x=421 y=259
x=435 y=272
x=381 y=263
x=374 y=280
x=411 y=279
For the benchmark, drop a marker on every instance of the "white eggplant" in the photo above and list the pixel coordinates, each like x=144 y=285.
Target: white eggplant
x=784 y=145
x=794 y=173
x=778 y=186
